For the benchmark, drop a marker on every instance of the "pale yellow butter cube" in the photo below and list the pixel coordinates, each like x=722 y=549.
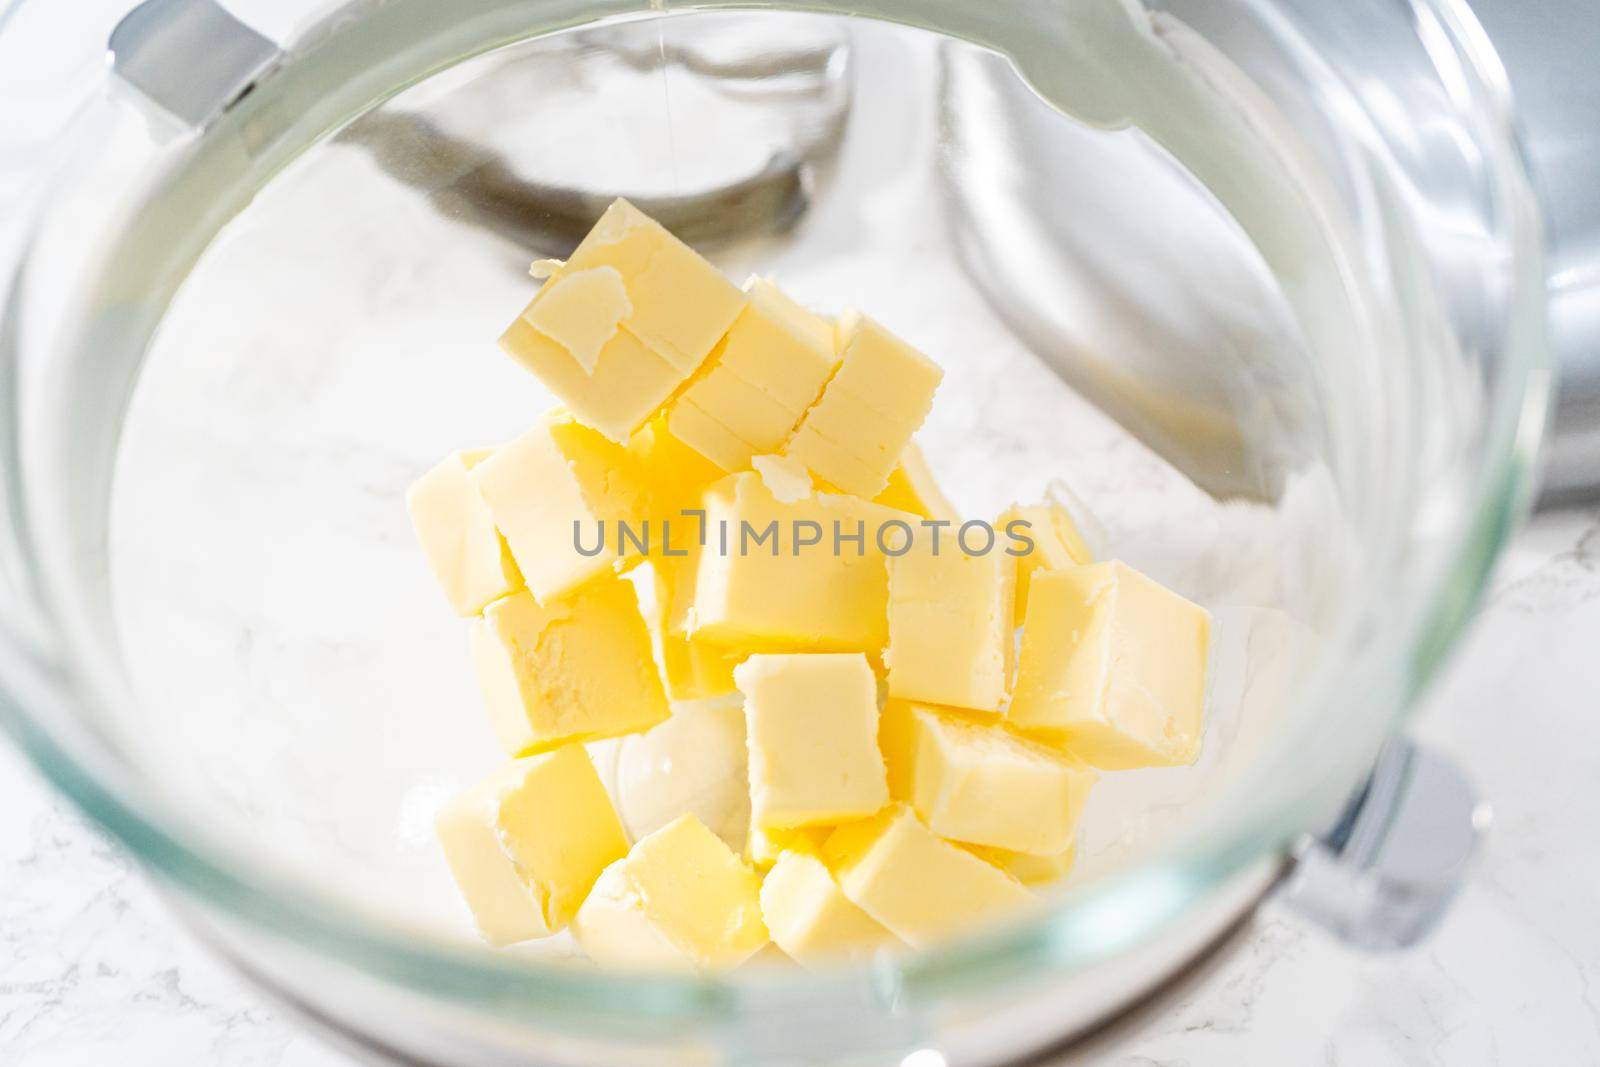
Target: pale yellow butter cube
x=840 y=467
x=780 y=346
x=526 y=843
x=763 y=847
x=1053 y=543
x=576 y=668
x=1112 y=668
x=468 y=556
x=811 y=919
x=674 y=474
x=616 y=931
x=675 y=478
x=760 y=380
x=913 y=488
x=549 y=491
x=874 y=363
x=918 y=885
x=679 y=305
x=627 y=384
x=785 y=478
x=581 y=311
x=951 y=628
x=681 y=898
x=877 y=398
x=1028 y=869
x=694 y=668
x=746 y=411
x=870 y=428
x=977 y=783
x=811 y=723
x=709 y=437
x=768 y=595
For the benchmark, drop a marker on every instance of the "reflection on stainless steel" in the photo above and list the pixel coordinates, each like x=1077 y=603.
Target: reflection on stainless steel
x=469 y=183
x=732 y=129
x=1124 y=275
x=1387 y=873
x=1548 y=49
x=1039 y=197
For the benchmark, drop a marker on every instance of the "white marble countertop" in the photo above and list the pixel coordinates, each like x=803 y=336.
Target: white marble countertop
x=94 y=971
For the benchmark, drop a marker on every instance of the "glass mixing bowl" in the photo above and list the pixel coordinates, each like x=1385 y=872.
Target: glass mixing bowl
x=1254 y=286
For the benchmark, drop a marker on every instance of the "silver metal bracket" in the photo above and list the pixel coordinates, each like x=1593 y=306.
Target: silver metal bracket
x=190 y=58
x=1386 y=874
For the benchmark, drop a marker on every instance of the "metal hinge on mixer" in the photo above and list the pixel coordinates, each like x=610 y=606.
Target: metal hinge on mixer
x=190 y=58
x=1386 y=874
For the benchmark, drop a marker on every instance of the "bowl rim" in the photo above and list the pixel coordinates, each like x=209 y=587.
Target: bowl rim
x=1085 y=925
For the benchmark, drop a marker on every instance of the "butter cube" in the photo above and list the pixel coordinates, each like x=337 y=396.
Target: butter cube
x=458 y=536
x=977 y=783
x=766 y=372
x=951 y=626
x=763 y=847
x=1056 y=543
x=1112 y=668
x=619 y=327
x=913 y=488
x=674 y=475
x=526 y=843
x=809 y=916
x=708 y=437
x=769 y=594
x=549 y=491
x=616 y=930
x=746 y=411
x=679 y=305
x=695 y=669
x=781 y=347
x=838 y=466
x=883 y=389
x=811 y=724
x=785 y=478
x=577 y=668
x=675 y=478
x=680 y=899
x=581 y=311
x=627 y=384
x=919 y=886
x=1027 y=869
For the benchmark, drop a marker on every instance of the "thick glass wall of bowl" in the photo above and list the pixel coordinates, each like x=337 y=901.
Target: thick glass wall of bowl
x=296 y=677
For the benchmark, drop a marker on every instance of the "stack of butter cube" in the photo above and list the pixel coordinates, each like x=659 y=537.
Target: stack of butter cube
x=914 y=767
